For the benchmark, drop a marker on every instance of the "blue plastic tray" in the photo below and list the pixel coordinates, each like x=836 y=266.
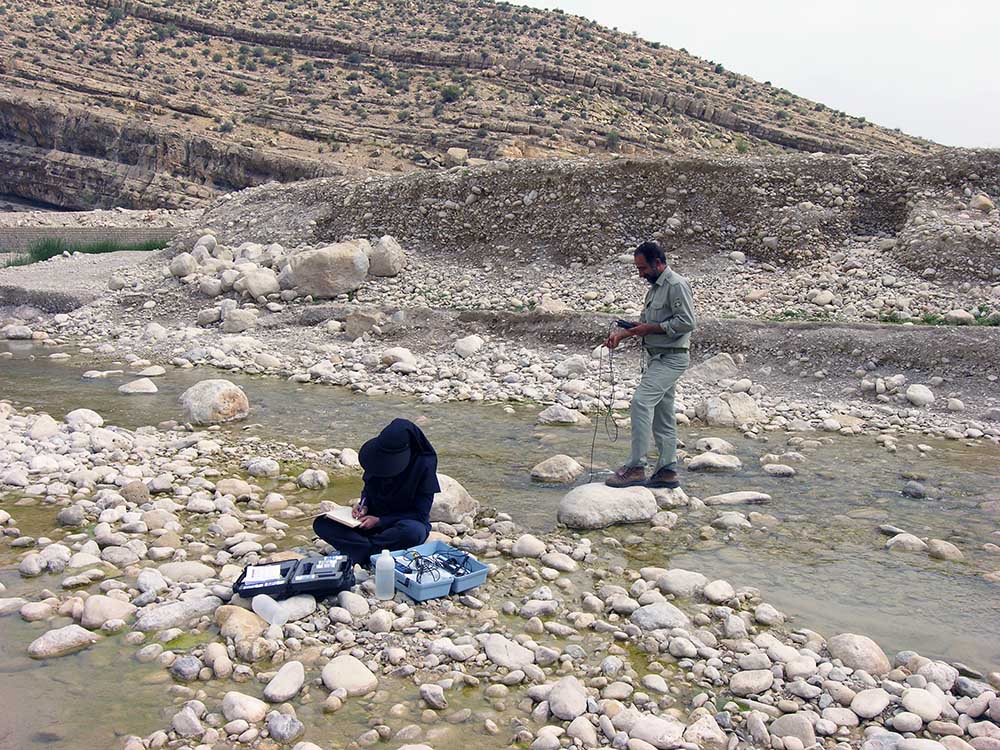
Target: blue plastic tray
x=424 y=590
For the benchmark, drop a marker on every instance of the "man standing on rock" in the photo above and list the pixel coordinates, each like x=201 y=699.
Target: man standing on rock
x=665 y=326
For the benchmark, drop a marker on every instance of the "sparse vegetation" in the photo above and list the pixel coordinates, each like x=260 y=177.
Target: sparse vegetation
x=46 y=249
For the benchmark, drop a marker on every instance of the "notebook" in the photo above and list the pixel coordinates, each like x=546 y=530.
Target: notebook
x=342 y=514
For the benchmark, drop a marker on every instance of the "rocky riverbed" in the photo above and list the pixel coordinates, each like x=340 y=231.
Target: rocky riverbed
x=135 y=536
x=865 y=452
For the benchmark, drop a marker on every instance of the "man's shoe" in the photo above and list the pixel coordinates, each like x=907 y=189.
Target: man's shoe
x=627 y=476
x=664 y=478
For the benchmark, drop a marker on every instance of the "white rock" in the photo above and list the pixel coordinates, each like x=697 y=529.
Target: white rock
x=506 y=653
x=236 y=706
x=140 y=386
x=61 y=641
x=595 y=506
x=468 y=346
x=659 y=615
x=715 y=462
x=214 y=401
x=286 y=683
x=348 y=673
x=330 y=271
x=386 y=257
x=453 y=502
x=560 y=469
x=567 y=699
x=919 y=395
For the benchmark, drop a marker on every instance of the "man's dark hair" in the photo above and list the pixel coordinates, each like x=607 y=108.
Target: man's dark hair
x=652 y=252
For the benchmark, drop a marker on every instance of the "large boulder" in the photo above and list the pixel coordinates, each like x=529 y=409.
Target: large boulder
x=386 y=258
x=330 y=271
x=859 y=652
x=729 y=410
x=712 y=370
x=453 y=502
x=214 y=401
x=595 y=506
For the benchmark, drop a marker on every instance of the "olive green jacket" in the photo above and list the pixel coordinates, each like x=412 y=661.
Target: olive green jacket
x=669 y=303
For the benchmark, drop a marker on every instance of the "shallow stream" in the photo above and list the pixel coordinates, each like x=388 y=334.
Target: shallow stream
x=824 y=563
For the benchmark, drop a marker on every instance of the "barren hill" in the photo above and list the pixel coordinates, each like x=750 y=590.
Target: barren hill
x=144 y=104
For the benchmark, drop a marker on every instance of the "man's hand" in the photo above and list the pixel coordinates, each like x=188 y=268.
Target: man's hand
x=615 y=338
x=368 y=522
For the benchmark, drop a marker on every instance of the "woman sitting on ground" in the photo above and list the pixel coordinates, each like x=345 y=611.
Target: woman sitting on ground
x=400 y=483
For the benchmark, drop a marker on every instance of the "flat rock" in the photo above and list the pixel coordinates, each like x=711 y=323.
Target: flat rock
x=61 y=641
x=745 y=497
x=506 y=653
x=175 y=614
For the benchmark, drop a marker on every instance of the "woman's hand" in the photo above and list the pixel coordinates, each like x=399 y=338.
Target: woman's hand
x=357 y=511
x=368 y=522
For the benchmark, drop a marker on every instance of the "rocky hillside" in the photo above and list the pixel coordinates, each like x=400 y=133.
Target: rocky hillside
x=146 y=104
x=933 y=215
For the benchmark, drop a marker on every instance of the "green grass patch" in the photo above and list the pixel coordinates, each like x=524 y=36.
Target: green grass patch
x=45 y=249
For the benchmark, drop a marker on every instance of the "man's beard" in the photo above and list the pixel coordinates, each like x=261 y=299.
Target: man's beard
x=651 y=277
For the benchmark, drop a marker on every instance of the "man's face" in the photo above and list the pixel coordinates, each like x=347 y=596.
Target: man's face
x=648 y=272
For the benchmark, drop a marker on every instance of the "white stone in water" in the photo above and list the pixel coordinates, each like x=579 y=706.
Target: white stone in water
x=286 y=683
x=559 y=469
x=595 y=506
x=779 y=470
x=350 y=674
x=859 y=652
x=259 y=466
x=906 y=543
x=313 y=479
x=141 y=386
x=506 y=653
x=528 y=545
x=715 y=462
x=61 y=641
x=236 y=705
x=714 y=445
x=559 y=414
x=98 y=609
x=746 y=497
x=939 y=549
x=214 y=401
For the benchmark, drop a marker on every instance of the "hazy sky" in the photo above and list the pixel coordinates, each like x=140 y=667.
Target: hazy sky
x=929 y=68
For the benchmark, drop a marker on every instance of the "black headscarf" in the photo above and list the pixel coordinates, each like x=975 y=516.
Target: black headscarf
x=419 y=478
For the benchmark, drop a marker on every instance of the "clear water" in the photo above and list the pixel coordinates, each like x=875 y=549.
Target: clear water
x=824 y=564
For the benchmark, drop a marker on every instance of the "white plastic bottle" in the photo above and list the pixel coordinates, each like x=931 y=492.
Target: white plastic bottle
x=269 y=609
x=385 y=576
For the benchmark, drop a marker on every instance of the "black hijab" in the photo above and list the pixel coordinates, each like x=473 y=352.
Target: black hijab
x=418 y=478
